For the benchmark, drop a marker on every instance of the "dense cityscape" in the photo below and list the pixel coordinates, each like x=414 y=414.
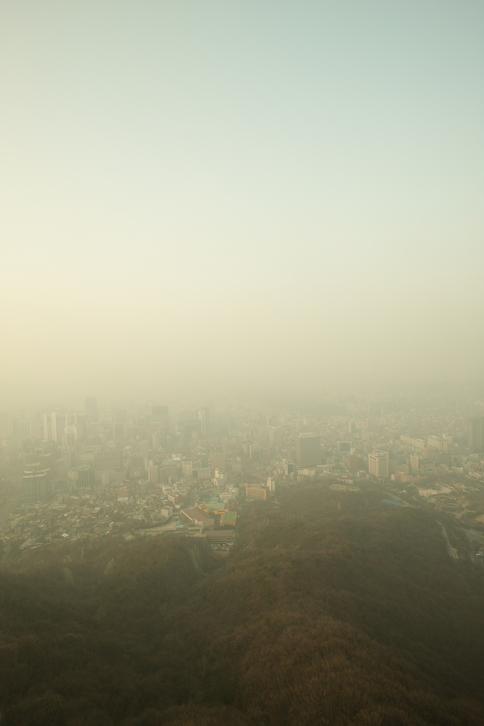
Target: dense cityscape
x=145 y=469
x=241 y=380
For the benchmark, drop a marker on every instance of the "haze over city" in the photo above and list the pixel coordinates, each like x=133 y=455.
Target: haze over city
x=242 y=362
x=203 y=197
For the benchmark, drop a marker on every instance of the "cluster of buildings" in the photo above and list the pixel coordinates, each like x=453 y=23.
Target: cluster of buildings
x=150 y=469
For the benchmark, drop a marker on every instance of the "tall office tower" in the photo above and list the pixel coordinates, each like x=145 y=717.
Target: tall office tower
x=379 y=465
x=414 y=463
x=187 y=468
x=153 y=474
x=308 y=450
x=204 y=416
x=86 y=476
x=47 y=427
x=37 y=484
x=475 y=432
x=53 y=426
x=90 y=407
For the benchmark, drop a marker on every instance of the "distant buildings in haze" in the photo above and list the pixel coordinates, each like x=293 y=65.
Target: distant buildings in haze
x=379 y=464
x=475 y=432
x=308 y=450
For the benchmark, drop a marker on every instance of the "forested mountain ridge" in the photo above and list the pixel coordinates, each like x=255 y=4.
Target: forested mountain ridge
x=337 y=609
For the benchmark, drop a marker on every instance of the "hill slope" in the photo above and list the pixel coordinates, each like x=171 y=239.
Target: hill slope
x=343 y=610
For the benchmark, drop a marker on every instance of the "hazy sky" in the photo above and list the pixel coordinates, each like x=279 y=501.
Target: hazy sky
x=278 y=193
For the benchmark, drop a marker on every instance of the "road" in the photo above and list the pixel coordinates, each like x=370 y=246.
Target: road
x=450 y=549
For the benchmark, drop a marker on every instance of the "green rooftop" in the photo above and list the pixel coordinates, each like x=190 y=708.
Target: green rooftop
x=228 y=518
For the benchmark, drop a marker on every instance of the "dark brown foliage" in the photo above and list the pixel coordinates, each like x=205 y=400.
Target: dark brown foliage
x=343 y=611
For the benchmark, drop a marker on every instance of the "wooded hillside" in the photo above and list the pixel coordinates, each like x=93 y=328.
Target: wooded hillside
x=337 y=609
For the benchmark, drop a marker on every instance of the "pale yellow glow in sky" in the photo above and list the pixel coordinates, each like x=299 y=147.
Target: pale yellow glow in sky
x=206 y=194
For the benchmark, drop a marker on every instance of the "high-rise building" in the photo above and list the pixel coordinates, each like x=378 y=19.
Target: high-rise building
x=50 y=426
x=187 y=468
x=47 y=427
x=70 y=436
x=308 y=450
x=379 y=464
x=475 y=431
x=37 y=484
x=414 y=463
x=54 y=426
x=271 y=484
x=204 y=416
x=153 y=474
x=86 y=476
x=82 y=476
